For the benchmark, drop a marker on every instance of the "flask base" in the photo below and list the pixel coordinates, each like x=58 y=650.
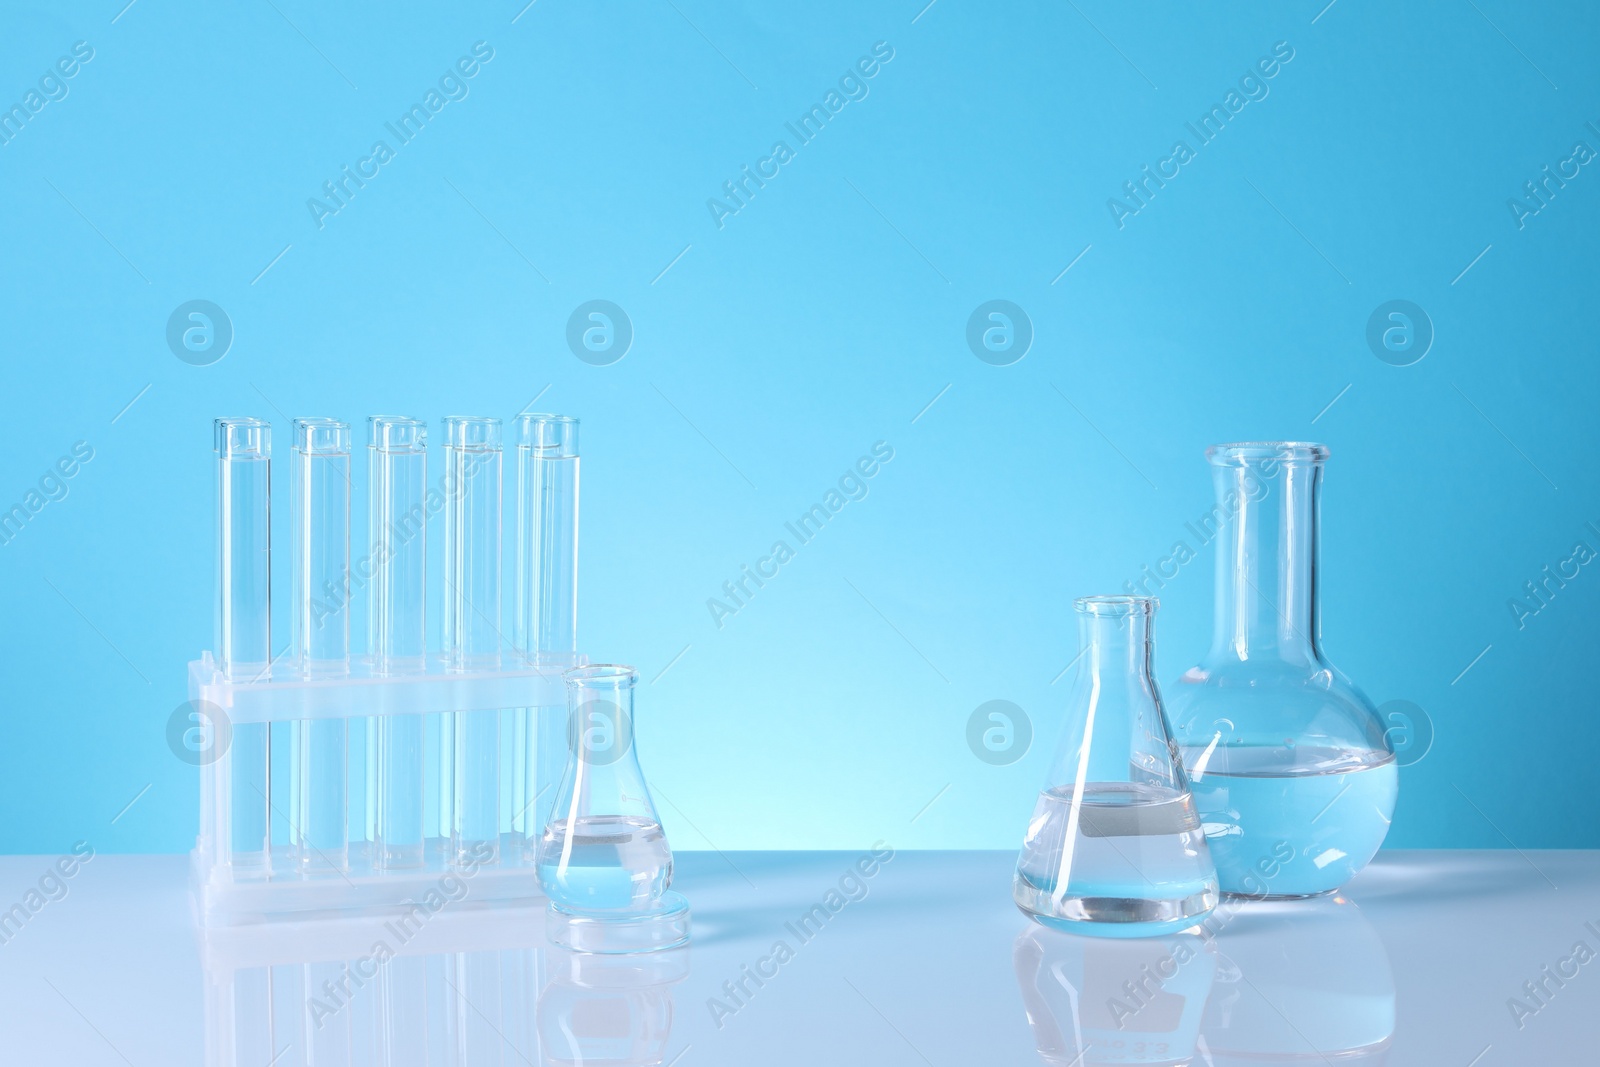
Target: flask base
x=1244 y=897
x=664 y=925
x=1101 y=928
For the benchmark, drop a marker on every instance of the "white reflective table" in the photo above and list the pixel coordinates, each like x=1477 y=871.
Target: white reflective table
x=1449 y=958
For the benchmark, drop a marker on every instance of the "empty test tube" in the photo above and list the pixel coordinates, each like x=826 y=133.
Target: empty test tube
x=244 y=627
x=397 y=626
x=320 y=512
x=546 y=606
x=472 y=622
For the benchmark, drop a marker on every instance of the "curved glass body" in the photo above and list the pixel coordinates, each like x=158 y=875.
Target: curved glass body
x=1292 y=773
x=1115 y=847
x=603 y=860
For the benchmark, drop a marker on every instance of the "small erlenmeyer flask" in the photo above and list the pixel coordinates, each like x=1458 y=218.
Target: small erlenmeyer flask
x=1115 y=847
x=604 y=860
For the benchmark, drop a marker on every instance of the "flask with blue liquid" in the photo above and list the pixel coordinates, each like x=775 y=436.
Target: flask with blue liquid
x=1292 y=771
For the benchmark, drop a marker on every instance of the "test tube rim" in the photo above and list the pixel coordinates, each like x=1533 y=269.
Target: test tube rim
x=619 y=675
x=382 y=444
x=308 y=442
x=564 y=447
x=222 y=441
x=453 y=437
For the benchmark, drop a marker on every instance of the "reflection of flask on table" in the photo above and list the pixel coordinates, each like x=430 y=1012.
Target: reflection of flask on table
x=1114 y=848
x=1285 y=755
x=613 y=1010
x=1302 y=982
x=1092 y=1001
x=604 y=860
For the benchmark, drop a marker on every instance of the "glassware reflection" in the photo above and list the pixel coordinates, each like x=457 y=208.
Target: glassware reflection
x=1258 y=983
x=441 y=988
x=1300 y=983
x=1092 y=1001
x=611 y=1010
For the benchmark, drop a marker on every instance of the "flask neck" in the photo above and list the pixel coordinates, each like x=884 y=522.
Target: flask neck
x=1268 y=516
x=1117 y=655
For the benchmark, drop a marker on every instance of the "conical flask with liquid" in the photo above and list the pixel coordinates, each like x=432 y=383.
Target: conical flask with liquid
x=603 y=859
x=1115 y=847
x=1293 y=772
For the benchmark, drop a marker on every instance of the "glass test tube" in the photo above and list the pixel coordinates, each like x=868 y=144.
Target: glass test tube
x=244 y=627
x=320 y=515
x=545 y=608
x=397 y=627
x=546 y=620
x=472 y=623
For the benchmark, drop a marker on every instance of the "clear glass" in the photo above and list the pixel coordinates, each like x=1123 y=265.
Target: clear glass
x=244 y=622
x=319 y=501
x=1304 y=982
x=1292 y=773
x=546 y=610
x=603 y=859
x=614 y=1011
x=1115 y=848
x=472 y=640
x=1093 y=1002
x=397 y=451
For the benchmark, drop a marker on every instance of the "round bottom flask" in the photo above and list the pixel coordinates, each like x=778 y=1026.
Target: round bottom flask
x=1292 y=771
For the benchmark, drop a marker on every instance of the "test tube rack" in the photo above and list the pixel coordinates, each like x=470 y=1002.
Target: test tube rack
x=261 y=718
x=335 y=783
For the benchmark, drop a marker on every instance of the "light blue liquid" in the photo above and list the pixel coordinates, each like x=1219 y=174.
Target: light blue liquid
x=1132 y=863
x=607 y=863
x=1279 y=834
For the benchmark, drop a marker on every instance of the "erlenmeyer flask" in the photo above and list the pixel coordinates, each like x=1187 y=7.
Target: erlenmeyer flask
x=604 y=860
x=1292 y=772
x=1115 y=848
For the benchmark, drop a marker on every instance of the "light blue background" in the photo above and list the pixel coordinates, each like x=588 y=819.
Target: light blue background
x=822 y=318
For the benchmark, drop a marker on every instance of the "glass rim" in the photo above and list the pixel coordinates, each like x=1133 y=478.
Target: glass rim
x=619 y=675
x=1251 y=453
x=1116 y=606
x=472 y=433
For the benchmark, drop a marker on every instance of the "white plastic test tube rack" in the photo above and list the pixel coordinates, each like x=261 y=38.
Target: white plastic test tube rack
x=352 y=782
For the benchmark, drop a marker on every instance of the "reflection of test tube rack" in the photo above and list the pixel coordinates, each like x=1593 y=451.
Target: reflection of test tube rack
x=353 y=781
x=451 y=987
